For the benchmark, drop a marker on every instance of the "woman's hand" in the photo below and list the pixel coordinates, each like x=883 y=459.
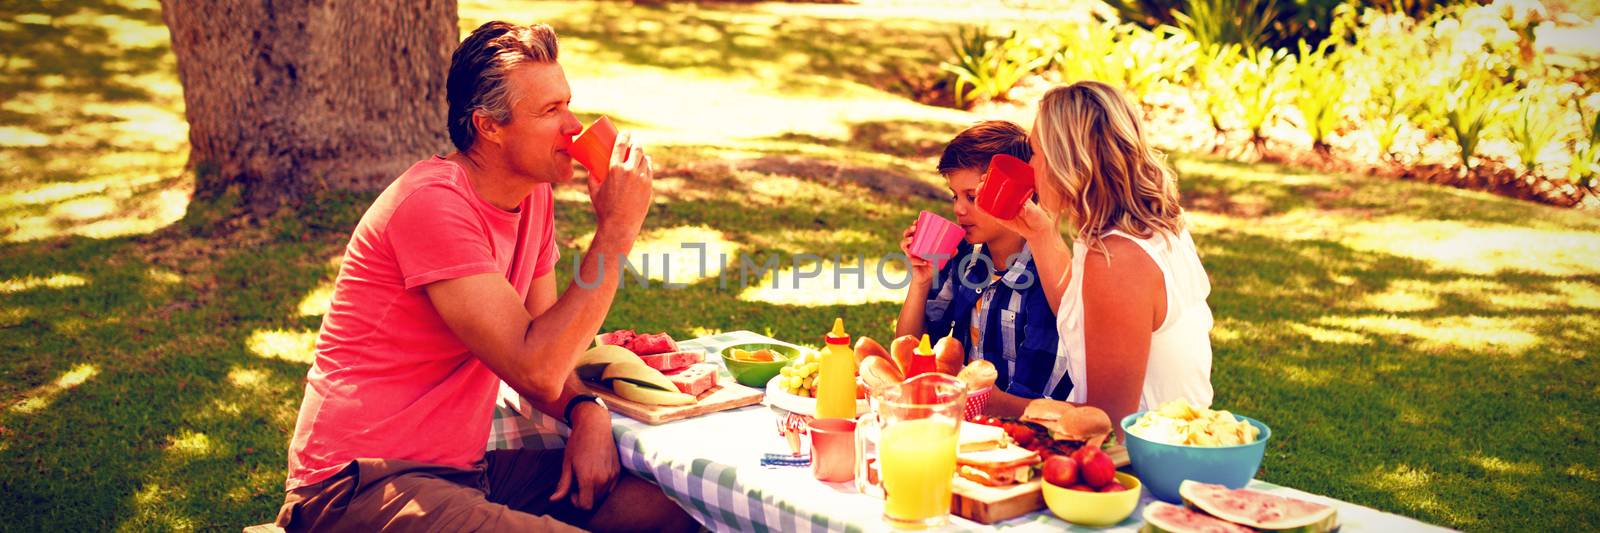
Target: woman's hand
x=1032 y=223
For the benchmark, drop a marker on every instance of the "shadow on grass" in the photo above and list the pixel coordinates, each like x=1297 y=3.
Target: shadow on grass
x=72 y=48
x=742 y=42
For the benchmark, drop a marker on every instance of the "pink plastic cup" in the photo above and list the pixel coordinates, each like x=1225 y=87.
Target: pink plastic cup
x=1006 y=187
x=936 y=239
x=592 y=148
x=833 y=449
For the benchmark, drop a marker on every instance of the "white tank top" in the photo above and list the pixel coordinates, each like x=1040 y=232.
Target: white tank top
x=1180 y=350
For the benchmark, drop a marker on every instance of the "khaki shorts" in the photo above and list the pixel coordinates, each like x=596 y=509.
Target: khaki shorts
x=509 y=490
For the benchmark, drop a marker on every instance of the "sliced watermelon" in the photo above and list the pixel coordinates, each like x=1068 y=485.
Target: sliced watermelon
x=652 y=343
x=671 y=361
x=621 y=337
x=1253 y=508
x=1162 y=517
x=695 y=379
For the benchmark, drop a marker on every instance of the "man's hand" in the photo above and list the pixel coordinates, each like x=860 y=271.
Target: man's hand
x=590 y=462
x=622 y=198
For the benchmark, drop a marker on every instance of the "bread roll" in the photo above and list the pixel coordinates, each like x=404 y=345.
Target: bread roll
x=879 y=372
x=979 y=375
x=866 y=347
x=948 y=356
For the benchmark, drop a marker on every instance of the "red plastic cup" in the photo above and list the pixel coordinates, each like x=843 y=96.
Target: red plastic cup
x=1006 y=187
x=936 y=239
x=592 y=148
x=833 y=449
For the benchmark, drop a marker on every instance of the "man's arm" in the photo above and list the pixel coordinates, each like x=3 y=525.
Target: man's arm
x=541 y=297
x=536 y=355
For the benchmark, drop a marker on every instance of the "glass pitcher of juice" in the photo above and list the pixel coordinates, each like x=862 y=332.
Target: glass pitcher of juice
x=920 y=419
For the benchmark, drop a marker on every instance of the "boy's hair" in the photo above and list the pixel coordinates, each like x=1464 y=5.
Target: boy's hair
x=973 y=147
x=478 y=71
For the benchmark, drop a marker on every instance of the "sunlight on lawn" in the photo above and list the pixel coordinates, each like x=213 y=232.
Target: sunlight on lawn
x=40 y=397
x=1329 y=336
x=688 y=107
x=829 y=283
x=1481 y=249
x=1477 y=334
x=317 y=302
x=189 y=443
x=676 y=255
x=292 y=346
x=1413 y=486
x=57 y=281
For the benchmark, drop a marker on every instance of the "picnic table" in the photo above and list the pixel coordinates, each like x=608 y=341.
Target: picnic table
x=710 y=465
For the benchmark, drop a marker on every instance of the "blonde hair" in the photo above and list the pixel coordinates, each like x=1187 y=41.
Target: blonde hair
x=1099 y=164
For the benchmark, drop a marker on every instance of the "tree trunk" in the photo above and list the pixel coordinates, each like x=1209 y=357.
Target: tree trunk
x=286 y=98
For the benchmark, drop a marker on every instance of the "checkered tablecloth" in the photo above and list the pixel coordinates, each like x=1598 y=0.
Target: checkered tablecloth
x=710 y=465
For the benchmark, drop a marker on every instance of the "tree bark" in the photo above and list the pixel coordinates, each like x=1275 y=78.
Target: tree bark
x=286 y=98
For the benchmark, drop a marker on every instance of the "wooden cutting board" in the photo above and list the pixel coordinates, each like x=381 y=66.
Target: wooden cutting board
x=987 y=505
x=726 y=394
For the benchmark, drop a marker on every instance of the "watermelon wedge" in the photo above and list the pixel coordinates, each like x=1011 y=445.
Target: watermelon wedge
x=1259 y=510
x=653 y=343
x=621 y=337
x=1162 y=517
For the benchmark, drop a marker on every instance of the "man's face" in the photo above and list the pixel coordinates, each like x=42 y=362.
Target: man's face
x=541 y=127
x=963 y=184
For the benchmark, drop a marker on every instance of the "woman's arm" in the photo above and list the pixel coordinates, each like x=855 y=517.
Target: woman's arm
x=1124 y=300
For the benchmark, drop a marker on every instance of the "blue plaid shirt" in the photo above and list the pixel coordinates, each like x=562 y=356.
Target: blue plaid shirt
x=1018 y=327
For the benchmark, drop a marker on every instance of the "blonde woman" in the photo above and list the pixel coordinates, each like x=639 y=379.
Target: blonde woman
x=1130 y=293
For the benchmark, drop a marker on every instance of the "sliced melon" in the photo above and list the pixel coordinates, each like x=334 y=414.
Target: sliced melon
x=592 y=364
x=638 y=373
x=1162 y=517
x=628 y=390
x=1256 y=509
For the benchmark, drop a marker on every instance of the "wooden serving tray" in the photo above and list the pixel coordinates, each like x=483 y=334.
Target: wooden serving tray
x=987 y=505
x=726 y=394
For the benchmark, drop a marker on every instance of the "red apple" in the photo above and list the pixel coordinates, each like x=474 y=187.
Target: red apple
x=1081 y=488
x=1113 y=487
x=1095 y=467
x=1060 y=471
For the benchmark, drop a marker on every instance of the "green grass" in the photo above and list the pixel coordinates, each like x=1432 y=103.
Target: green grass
x=1421 y=350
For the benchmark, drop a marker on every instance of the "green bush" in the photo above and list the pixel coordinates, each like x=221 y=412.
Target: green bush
x=1586 y=160
x=1213 y=82
x=1262 y=82
x=1535 y=124
x=1124 y=55
x=986 y=67
x=1474 y=107
x=1319 y=93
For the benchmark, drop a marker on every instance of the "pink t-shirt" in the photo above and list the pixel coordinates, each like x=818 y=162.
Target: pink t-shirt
x=390 y=379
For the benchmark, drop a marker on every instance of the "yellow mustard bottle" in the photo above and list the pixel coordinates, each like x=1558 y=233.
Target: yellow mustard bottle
x=836 y=376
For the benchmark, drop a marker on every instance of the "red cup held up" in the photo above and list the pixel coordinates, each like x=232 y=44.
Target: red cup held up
x=1006 y=187
x=592 y=148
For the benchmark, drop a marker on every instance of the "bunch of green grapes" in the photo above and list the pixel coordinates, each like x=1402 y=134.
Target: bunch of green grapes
x=800 y=378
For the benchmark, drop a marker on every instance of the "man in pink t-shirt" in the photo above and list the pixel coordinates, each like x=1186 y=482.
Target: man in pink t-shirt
x=448 y=287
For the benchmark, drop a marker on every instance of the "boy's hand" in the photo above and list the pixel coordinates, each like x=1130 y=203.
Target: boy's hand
x=921 y=269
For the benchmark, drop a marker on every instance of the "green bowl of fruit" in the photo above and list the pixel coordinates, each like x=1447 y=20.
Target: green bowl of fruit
x=753 y=365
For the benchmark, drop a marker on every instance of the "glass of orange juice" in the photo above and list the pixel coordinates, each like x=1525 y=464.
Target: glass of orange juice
x=917 y=448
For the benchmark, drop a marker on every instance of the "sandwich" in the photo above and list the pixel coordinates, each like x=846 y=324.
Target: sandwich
x=997 y=467
x=1075 y=425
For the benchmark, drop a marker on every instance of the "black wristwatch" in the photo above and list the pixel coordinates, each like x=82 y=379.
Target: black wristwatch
x=566 y=414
